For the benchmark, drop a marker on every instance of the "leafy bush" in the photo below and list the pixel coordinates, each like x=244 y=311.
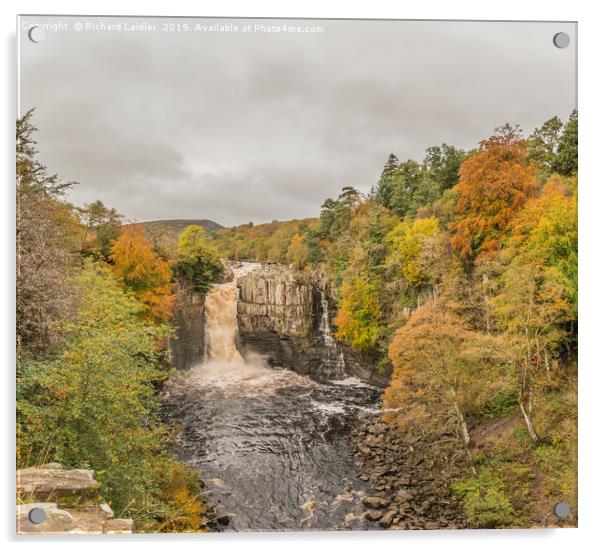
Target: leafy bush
x=501 y=404
x=485 y=503
x=95 y=406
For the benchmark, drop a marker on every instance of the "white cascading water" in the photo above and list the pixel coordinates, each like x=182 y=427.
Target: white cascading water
x=273 y=445
x=338 y=364
x=221 y=324
x=224 y=366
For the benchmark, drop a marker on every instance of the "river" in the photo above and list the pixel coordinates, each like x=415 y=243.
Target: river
x=273 y=447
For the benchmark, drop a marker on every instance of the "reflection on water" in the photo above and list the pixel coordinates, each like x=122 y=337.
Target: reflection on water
x=272 y=446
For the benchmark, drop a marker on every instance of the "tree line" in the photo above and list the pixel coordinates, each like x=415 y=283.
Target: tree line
x=458 y=274
x=94 y=301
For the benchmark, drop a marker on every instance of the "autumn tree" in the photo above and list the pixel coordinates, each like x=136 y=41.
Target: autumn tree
x=358 y=318
x=102 y=226
x=494 y=184
x=437 y=358
x=410 y=244
x=297 y=252
x=143 y=272
x=538 y=294
x=95 y=404
x=198 y=261
x=46 y=241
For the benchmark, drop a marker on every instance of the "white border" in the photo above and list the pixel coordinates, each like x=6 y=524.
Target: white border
x=590 y=94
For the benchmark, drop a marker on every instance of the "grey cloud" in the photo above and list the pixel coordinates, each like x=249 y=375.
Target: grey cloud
x=241 y=127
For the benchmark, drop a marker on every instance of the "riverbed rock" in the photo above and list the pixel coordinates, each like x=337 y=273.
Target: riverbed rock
x=375 y=502
x=402 y=496
x=374 y=515
x=387 y=519
x=409 y=478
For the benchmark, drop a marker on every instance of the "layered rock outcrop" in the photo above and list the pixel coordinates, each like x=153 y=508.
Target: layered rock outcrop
x=187 y=345
x=51 y=500
x=281 y=312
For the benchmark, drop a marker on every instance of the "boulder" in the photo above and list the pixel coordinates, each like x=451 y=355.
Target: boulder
x=373 y=515
x=387 y=519
x=375 y=502
x=402 y=496
x=44 y=484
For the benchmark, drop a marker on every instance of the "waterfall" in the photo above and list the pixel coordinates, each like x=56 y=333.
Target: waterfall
x=325 y=323
x=334 y=365
x=221 y=326
x=221 y=322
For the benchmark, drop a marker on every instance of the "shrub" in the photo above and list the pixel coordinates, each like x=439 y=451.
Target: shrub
x=485 y=503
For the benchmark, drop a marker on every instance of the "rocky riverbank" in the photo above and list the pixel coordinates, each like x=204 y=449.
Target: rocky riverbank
x=66 y=501
x=409 y=480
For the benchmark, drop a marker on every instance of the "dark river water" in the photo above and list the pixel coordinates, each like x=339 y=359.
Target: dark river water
x=274 y=448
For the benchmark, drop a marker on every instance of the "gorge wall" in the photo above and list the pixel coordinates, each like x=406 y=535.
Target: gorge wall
x=284 y=314
x=187 y=345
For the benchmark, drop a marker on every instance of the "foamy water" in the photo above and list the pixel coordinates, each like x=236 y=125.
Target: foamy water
x=273 y=447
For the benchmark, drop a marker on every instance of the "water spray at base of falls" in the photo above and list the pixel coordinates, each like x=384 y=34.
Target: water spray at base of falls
x=272 y=446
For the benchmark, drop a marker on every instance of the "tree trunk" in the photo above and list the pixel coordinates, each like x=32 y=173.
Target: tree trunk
x=463 y=426
x=528 y=423
x=461 y=421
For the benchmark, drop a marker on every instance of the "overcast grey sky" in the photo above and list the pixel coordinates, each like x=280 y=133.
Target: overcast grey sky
x=254 y=126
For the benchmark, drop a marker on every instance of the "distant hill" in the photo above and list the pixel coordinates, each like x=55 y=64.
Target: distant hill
x=179 y=225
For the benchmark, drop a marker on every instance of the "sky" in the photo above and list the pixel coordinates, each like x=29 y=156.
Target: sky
x=163 y=118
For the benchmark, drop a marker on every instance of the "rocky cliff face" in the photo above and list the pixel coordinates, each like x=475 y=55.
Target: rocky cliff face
x=187 y=346
x=284 y=315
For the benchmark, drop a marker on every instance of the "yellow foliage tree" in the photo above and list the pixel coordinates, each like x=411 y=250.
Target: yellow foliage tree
x=409 y=244
x=359 y=315
x=297 y=252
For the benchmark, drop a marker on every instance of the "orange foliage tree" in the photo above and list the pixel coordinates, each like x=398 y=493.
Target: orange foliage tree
x=494 y=184
x=436 y=358
x=146 y=274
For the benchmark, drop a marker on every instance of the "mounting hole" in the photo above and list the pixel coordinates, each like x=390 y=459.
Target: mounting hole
x=562 y=509
x=561 y=40
x=36 y=34
x=37 y=515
